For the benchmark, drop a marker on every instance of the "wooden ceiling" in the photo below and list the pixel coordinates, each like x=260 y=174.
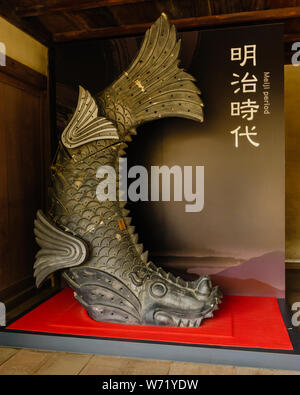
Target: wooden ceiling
x=52 y=21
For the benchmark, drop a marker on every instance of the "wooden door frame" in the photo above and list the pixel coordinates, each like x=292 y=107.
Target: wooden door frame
x=23 y=77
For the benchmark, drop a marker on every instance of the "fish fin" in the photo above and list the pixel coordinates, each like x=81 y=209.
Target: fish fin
x=104 y=296
x=154 y=86
x=59 y=250
x=85 y=125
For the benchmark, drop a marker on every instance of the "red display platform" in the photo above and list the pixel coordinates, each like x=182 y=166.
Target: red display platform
x=254 y=322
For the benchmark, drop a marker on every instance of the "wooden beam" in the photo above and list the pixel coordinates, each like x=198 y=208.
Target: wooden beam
x=70 y=6
x=78 y=20
x=24 y=73
x=34 y=29
x=292 y=37
x=278 y=14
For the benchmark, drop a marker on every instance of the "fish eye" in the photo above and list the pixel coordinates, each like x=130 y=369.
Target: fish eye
x=158 y=289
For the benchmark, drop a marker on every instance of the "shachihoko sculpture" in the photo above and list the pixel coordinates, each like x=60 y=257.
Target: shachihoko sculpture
x=92 y=241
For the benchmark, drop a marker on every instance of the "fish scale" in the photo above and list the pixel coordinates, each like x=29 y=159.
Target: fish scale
x=92 y=241
x=80 y=225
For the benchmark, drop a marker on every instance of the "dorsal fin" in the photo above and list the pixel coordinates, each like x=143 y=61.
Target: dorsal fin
x=85 y=125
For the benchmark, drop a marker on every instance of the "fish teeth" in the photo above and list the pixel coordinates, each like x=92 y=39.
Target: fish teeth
x=128 y=220
x=196 y=324
x=181 y=324
x=187 y=323
x=184 y=322
x=209 y=315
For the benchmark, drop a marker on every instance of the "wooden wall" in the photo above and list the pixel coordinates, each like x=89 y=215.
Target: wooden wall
x=24 y=162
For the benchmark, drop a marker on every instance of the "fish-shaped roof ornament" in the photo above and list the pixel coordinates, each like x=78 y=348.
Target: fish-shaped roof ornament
x=92 y=241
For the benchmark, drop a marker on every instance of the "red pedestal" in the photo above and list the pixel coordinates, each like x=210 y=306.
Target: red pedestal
x=254 y=322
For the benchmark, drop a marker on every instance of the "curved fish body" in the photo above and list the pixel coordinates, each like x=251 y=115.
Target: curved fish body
x=93 y=241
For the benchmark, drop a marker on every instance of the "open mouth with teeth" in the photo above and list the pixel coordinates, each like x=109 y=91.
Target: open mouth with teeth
x=181 y=320
x=171 y=309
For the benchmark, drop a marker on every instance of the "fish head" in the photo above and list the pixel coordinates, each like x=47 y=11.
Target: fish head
x=179 y=303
